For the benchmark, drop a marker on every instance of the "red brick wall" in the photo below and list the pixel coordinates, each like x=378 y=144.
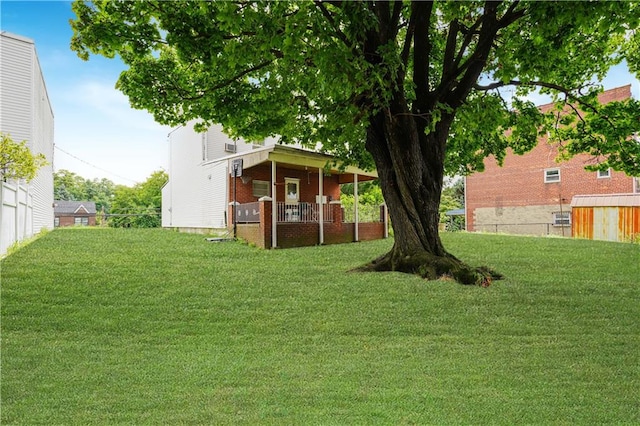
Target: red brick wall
x=338 y=233
x=251 y=233
x=370 y=231
x=70 y=220
x=520 y=182
x=305 y=234
x=298 y=234
x=308 y=184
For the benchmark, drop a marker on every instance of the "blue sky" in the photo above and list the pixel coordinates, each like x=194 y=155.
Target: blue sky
x=97 y=134
x=93 y=121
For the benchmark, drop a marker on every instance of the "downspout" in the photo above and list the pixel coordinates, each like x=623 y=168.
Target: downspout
x=321 y=212
x=274 y=207
x=356 y=236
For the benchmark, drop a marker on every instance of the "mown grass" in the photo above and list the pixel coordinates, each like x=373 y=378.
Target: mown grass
x=106 y=326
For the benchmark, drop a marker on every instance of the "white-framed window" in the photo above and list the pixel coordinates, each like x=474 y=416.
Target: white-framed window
x=81 y=221
x=56 y=222
x=551 y=175
x=562 y=219
x=261 y=188
x=291 y=190
x=636 y=185
x=603 y=174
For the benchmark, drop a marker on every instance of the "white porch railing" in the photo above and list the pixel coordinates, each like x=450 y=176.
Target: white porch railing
x=304 y=212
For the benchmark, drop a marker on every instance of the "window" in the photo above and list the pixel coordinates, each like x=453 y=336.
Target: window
x=636 y=185
x=292 y=190
x=603 y=174
x=261 y=188
x=551 y=175
x=81 y=221
x=561 y=219
x=56 y=222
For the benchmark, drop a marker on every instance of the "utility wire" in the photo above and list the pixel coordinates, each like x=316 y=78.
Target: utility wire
x=92 y=165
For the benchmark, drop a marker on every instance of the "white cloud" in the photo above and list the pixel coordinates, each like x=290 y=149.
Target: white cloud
x=95 y=123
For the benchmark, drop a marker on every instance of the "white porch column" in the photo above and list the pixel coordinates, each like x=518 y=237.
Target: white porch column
x=274 y=207
x=356 y=219
x=321 y=211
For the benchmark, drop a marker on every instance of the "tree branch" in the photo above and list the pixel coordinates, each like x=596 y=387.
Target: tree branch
x=395 y=17
x=406 y=48
x=448 y=64
x=421 y=51
x=511 y=15
x=342 y=36
x=553 y=86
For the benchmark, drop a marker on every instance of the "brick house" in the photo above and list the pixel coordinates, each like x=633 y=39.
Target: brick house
x=74 y=213
x=280 y=196
x=532 y=193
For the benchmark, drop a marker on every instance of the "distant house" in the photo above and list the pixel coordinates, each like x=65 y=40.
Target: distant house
x=534 y=194
x=281 y=196
x=74 y=213
x=26 y=115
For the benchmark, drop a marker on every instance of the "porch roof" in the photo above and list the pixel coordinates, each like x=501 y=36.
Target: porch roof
x=297 y=158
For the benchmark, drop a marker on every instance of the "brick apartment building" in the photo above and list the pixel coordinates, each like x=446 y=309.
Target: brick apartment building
x=532 y=193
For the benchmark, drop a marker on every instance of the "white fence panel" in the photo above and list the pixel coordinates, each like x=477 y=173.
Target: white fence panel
x=16 y=215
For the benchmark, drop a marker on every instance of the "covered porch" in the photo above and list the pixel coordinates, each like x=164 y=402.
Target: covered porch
x=284 y=197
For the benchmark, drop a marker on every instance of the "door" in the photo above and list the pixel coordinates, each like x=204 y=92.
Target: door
x=291 y=199
x=292 y=191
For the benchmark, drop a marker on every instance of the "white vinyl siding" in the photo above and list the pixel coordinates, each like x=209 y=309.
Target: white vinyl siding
x=197 y=193
x=26 y=114
x=16 y=87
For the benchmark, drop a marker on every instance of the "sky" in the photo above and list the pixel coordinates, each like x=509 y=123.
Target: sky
x=97 y=134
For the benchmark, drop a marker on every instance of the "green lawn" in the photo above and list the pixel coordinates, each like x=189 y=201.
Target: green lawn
x=106 y=326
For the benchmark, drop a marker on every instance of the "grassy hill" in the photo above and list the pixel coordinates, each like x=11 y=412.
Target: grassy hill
x=105 y=326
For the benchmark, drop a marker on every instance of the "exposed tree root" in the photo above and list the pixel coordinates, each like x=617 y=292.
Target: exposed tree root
x=433 y=267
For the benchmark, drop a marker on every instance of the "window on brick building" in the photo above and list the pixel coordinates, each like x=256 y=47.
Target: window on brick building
x=561 y=219
x=81 y=221
x=603 y=174
x=551 y=175
x=261 y=188
x=636 y=185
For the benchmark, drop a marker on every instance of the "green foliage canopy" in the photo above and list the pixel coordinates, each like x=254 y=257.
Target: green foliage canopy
x=17 y=161
x=71 y=187
x=301 y=70
x=139 y=206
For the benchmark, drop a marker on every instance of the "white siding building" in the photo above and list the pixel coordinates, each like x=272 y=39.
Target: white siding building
x=26 y=115
x=195 y=197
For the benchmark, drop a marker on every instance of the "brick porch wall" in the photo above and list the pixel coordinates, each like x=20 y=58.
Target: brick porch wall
x=306 y=234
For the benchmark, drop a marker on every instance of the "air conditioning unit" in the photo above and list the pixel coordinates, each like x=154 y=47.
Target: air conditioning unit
x=230 y=147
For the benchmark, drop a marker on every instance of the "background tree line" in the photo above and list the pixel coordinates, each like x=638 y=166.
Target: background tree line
x=138 y=206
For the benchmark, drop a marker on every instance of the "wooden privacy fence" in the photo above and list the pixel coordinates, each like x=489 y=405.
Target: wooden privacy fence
x=16 y=215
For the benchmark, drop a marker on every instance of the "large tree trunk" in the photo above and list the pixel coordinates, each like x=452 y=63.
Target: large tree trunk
x=408 y=143
x=410 y=163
